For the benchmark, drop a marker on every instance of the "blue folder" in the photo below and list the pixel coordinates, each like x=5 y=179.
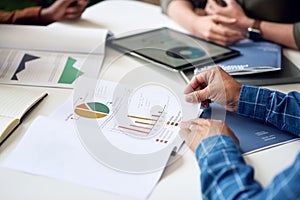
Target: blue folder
x=253 y=135
x=255 y=57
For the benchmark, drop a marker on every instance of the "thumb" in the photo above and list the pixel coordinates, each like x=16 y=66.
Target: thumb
x=228 y=2
x=198 y=96
x=224 y=20
x=64 y=3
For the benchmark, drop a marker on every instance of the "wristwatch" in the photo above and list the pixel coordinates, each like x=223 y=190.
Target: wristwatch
x=254 y=32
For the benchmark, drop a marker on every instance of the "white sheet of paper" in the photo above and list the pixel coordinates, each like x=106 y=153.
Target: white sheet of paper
x=53 y=146
x=50 y=56
x=53 y=39
x=56 y=151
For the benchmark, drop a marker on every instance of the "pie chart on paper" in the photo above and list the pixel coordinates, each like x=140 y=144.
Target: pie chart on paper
x=92 y=110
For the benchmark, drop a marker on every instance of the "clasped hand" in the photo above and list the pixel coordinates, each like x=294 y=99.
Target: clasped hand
x=224 y=25
x=62 y=10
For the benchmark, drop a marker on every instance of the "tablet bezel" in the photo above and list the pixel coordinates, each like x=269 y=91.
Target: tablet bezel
x=201 y=62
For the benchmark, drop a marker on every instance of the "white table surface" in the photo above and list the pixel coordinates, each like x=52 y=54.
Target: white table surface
x=181 y=179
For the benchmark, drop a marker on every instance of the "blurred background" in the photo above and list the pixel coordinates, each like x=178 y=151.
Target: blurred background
x=9 y=5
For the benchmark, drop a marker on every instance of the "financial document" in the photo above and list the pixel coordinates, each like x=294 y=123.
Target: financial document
x=49 y=56
x=129 y=134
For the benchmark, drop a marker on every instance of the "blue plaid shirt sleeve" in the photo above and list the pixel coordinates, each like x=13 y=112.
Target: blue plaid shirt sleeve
x=224 y=173
x=279 y=109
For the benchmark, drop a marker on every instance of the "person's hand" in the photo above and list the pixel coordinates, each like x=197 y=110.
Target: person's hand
x=214 y=85
x=216 y=28
x=63 y=9
x=194 y=131
x=232 y=10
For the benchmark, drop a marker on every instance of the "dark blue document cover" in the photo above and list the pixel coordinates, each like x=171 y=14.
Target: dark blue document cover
x=253 y=135
x=255 y=57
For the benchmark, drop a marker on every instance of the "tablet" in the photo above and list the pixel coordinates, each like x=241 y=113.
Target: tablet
x=172 y=49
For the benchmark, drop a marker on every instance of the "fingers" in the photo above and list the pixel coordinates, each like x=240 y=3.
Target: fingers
x=214 y=85
x=198 y=82
x=67 y=9
x=63 y=9
x=185 y=130
x=64 y=3
x=74 y=11
x=220 y=38
x=195 y=130
x=227 y=30
x=230 y=2
x=212 y=7
x=221 y=32
x=198 y=96
x=191 y=133
x=225 y=36
x=219 y=19
x=197 y=90
x=194 y=94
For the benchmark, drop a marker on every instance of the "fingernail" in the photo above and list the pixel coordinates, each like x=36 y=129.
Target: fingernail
x=189 y=98
x=180 y=124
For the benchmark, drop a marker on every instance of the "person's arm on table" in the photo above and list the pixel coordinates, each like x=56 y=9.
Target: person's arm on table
x=58 y=11
x=285 y=34
x=279 y=109
x=276 y=108
x=25 y=16
x=208 y=27
x=224 y=173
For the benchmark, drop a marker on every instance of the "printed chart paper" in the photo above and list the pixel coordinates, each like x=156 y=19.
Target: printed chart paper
x=49 y=56
x=54 y=146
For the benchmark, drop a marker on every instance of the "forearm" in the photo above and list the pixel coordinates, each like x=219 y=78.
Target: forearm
x=26 y=16
x=276 y=108
x=224 y=173
x=182 y=11
x=278 y=33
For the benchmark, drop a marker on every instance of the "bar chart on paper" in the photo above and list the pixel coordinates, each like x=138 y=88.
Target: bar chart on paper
x=160 y=127
x=137 y=119
x=141 y=125
x=151 y=119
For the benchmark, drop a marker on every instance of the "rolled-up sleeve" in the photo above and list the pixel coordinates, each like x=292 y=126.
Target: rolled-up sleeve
x=164 y=5
x=297 y=34
x=273 y=107
x=28 y=16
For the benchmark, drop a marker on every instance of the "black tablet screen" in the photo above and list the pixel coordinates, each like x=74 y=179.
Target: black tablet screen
x=173 y=49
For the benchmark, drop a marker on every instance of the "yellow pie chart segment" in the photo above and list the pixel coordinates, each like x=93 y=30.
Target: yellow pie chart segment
x=92 y=110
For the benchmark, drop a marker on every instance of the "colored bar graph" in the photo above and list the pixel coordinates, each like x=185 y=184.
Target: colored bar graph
x=144 y=118
x=132 y=129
